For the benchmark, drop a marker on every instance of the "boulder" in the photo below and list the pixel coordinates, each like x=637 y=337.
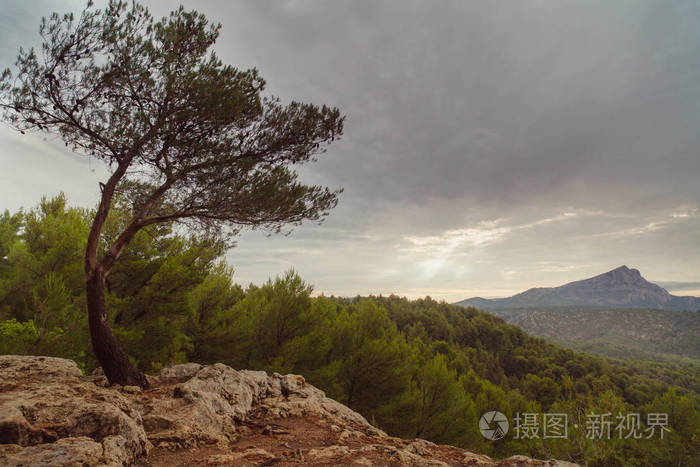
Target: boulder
x=194 y=415
x=50 y=401
x=64 y=452
x=209 y=403
x=16 y=368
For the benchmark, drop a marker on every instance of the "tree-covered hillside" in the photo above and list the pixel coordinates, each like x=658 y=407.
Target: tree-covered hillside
x=415 y=368
x=654 y=334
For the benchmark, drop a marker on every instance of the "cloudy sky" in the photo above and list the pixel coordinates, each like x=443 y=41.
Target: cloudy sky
x=489 y=146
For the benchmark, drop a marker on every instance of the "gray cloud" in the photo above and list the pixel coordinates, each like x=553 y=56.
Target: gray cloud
x=466 y=121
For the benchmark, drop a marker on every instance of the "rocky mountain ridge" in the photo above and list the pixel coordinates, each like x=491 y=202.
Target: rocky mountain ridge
x=620 y=288
x=50 y=414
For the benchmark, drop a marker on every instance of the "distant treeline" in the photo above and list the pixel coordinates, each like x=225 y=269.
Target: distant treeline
x=417 y=368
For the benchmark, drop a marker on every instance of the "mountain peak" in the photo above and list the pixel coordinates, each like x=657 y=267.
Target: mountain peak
x=622 y=287
x=623 y=274
x=625 y=270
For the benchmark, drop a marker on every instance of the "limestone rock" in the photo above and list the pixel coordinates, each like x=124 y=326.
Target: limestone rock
x=195 y=415
x=209 y=402
x=177 y=373
x=50 y=401
x=64 y=452
x=251 y=456
x=19 y=367
x=328 y=452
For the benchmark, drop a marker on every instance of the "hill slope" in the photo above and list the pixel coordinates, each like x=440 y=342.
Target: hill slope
x=612 y=332
x=195 y=415
x=620 y=288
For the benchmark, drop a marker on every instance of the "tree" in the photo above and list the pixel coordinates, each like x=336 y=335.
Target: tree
x=42 y=287
x=150 y=292
x=185 y=137
x=372 y=356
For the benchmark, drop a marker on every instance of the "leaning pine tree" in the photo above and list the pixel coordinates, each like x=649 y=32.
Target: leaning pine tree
x=185 y=137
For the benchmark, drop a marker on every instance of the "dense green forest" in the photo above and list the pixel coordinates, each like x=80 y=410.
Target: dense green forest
x=419 y=368
x=658 y=335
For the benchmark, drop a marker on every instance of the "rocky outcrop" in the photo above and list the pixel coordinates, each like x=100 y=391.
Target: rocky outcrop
x=209 y=404
x=50 y=414
x=193 y=415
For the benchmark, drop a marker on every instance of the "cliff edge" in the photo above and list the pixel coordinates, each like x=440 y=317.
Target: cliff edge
x=50 y=414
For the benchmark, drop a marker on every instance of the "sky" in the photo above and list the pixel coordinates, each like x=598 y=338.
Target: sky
x=489 y=147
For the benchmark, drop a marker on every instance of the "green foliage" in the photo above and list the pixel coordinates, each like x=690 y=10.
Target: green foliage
x=661 y=335
x=9 y=228
x=438 y=400
x=43 y=283
x=415 y=368
x=185 y=139
x=371 y=357
x=17 y=338
x=192 y=139
x=43 y=242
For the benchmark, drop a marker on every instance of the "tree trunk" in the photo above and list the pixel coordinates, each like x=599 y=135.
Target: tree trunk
x=115 y=364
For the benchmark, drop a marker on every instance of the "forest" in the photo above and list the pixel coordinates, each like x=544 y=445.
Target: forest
x=656 y=335
x=414 y=368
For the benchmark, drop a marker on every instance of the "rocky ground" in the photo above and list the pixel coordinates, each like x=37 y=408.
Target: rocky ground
x=195 y=415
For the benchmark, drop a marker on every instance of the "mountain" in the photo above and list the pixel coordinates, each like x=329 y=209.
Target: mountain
x=620 y=288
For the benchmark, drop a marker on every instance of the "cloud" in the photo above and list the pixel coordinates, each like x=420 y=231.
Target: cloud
x=486 y=233
x=489 y=146
x=680 y=217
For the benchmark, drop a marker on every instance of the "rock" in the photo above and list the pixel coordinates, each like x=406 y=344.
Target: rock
x=132 y=390
x=101 y=381
x=14 y=428
x=404 y=457
x=420 y=446
x=344 y=436
x=194 y=414
x=361 y=462
x=64 y=452
x=18 y=367
x=154 y=422
x=327 y=452
x=239 y=458
x=206 y=406
x=473 y=459
x=117 y=450
x=53 y=402
x=177 y=373
x=209 y=402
